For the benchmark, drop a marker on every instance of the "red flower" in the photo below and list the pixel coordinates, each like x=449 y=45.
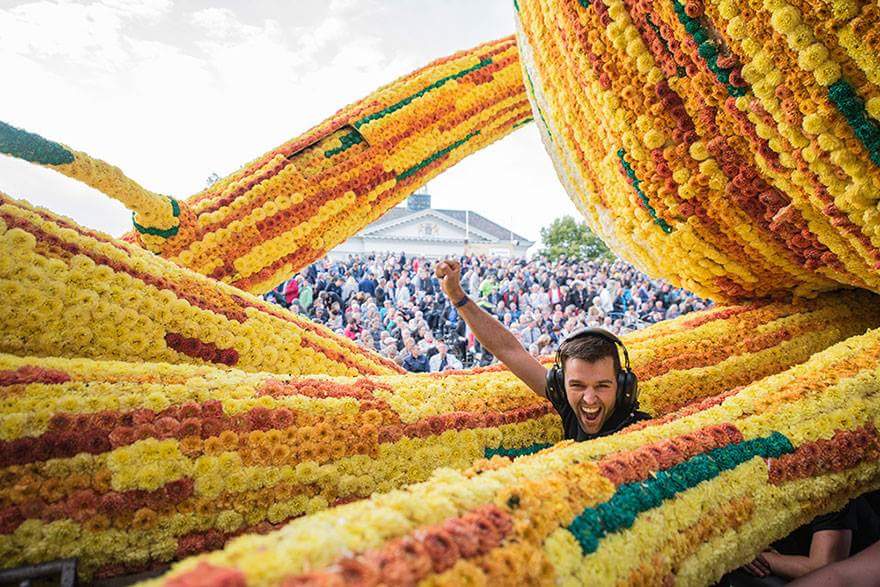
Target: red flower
x=178 y=490
x=112 y=504
x=440 y=547
x=190 y=427
x=462 y=534
x=390 y=434
x=106 y=420
x=167 y=427
x=189 y=545
x=122 y=436
x=360 y=571
x=133 y=500
x=94 y=442
x=212 y=409
x=189 y=410
x=63 y=444
x=283 y=418
x=10 y=519
x=16 y=452
x=227 y=357
x=60 y=422
x=436 y=425
x=211 y=427
x=259 y=418
x=83 y=499
x=145 y=431
x=492 y=419
x=418 y=429
x=616 y=470
x=54 y=511
x=33 y=508
x=142 y=416
x=401 y=562
x=498 y=517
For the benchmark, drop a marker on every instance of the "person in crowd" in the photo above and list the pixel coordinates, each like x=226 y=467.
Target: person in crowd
x=306 y=296
x=416 y=361
x=587 y=386
x=443 y=361
x=400 y=296
x=368 y=285
x=291 y=290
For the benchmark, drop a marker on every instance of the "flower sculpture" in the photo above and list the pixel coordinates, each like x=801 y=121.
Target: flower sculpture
x=291 y=205
x=151 y=408
x=733 y=147
x=678 y=499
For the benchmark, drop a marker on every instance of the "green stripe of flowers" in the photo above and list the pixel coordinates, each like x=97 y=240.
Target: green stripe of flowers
x=347 y=141
x=163 y=232
x=636 y=183
x=707 y=48
x=631 y=499
x=398 y=105
x=851 y=106
x=32 y=147
x=514 y=452
x=425 y=162
x=522 y=122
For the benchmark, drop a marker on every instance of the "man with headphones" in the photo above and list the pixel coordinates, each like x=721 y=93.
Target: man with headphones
x=587 y=385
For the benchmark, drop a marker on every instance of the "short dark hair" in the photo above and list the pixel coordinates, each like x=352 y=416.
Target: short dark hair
x=589 y=349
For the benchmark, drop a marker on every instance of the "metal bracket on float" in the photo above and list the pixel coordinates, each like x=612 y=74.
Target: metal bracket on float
x=64 y=570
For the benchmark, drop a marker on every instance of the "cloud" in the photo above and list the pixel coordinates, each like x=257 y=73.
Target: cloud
x=222 y=24
x=90 y=36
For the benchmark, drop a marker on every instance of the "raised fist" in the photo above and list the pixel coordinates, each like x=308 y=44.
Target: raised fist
x=449 y=274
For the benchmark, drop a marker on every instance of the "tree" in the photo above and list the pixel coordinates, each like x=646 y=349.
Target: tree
x=575 y=240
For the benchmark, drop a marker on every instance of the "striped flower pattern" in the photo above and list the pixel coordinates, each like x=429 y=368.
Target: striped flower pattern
x=153 y=409
x=731 y=147
x=679 y=499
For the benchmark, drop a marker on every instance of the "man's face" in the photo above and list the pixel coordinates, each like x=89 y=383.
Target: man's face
x=591 y=390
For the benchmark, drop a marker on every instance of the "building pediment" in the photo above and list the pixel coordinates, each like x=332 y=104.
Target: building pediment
x=428 y=225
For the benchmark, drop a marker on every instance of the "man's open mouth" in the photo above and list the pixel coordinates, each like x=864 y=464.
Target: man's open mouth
x=591 y=414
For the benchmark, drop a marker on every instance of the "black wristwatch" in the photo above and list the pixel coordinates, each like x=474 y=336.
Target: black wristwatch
x=461 y=302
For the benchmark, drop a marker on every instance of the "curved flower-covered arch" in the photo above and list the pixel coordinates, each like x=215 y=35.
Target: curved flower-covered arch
x=154 y=409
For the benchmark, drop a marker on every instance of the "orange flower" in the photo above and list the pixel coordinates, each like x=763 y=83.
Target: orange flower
x=279 y=453
x=97 y=523
x=51 y=490
x=191 y=446
x=101 y=480
x=144 y=519
x=213 y=445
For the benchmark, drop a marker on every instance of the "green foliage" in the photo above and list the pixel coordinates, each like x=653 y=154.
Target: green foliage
x=575 y=240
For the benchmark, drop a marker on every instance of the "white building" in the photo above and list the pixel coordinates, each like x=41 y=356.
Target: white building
x=418 y=229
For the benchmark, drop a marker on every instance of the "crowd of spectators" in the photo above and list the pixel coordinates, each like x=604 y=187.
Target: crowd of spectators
x=393 y=304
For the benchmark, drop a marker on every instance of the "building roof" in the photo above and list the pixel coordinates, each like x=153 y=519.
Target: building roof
x=475 y=220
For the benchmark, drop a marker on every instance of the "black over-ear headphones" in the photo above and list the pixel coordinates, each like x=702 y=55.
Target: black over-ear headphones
x=627 y=383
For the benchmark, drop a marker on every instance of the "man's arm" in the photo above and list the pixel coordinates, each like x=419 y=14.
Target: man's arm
x=827 y=546
x=859 y=571
x=490 y=332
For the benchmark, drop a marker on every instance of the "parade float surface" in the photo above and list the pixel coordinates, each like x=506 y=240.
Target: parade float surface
x=153 y=408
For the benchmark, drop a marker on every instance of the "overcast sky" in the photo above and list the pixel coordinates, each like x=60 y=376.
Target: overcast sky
x=172 y=91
